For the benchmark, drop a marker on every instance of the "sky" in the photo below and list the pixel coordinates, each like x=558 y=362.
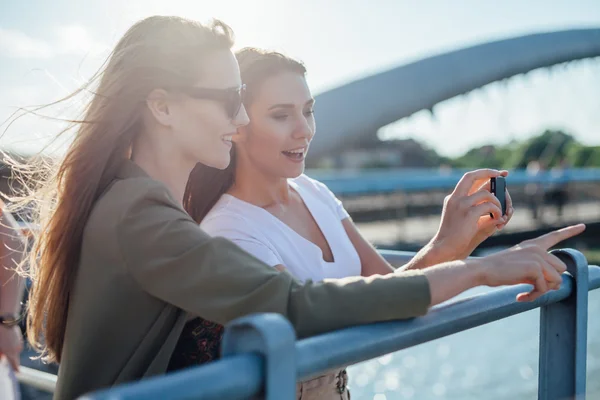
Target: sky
x=49 y=48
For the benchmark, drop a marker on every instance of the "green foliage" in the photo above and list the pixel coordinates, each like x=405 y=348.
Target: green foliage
x=580 y=156
x=488 y=156
x=551 y=148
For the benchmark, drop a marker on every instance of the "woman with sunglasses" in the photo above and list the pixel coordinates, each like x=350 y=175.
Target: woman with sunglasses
x=118 y=266
x=265 y=204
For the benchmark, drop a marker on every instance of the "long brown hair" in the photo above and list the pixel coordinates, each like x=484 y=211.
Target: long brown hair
x=156 y=52
x=207 y=184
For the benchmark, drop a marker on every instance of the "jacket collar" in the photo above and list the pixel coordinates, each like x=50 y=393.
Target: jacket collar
x=129 y=169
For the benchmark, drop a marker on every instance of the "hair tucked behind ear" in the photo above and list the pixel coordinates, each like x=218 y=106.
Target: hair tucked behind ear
x=155 y=52
x=207 y=184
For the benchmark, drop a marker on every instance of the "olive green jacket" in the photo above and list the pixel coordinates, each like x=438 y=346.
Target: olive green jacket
x=145 y=266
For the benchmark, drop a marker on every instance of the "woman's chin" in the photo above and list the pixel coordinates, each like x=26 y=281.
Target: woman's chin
x=219 y=164
x=296 y=172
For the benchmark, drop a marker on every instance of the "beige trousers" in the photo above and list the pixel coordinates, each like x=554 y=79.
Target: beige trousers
x=332 y=386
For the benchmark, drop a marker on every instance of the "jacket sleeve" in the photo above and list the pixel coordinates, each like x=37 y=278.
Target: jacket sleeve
x=174 y=260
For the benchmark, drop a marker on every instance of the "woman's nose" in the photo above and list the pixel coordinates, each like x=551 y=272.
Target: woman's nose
x=304 y=130
x=241 y=119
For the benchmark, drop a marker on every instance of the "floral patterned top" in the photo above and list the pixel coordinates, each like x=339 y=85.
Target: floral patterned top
x=199 y=343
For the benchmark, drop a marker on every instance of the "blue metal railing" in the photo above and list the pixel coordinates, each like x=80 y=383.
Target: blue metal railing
x=354 y=183
x=261 y=354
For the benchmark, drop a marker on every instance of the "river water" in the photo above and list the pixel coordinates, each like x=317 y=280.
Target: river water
x=494 y=361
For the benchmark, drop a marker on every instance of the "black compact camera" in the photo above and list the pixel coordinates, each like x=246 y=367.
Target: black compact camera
x=498 y=189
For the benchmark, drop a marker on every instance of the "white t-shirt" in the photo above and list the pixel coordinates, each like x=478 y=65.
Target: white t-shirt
x=272 y=241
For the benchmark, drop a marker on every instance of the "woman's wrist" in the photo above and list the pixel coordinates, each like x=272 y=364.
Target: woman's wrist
x=431 y=254
x=435 y=252
x=452 y=278
x=479 y=268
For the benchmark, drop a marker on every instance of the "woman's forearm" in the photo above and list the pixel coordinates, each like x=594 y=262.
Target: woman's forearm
x=429 y=255
x=452 y=278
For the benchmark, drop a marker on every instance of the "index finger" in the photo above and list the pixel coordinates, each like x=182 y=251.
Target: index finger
x=468 y=180
x=550 y=239
x=485 y=183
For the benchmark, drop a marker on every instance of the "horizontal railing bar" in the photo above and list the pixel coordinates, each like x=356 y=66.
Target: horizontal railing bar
x=388 y=181
x=37 y=379
x=356 y=344
x=243 y=376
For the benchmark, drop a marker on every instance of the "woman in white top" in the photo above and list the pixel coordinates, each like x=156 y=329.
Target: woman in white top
x=264 y=203
x=272 y=240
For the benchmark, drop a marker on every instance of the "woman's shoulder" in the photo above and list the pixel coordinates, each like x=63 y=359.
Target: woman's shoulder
x=322 y=194
x=307 y=182
x=129 y=193
x=131 y=200
x=315 y=187
x=125 y=206
x=132 y=185
x=228 y=215
x=226 y=208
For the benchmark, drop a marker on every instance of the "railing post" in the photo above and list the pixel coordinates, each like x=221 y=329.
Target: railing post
x=563 y=336
x=273 y=337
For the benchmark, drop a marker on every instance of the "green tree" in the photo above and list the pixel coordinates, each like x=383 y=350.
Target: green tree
x=484 y=157
x=582 y=156
x=549 y=148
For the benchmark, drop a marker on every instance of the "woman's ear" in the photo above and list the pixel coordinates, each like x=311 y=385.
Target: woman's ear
x=158 y=104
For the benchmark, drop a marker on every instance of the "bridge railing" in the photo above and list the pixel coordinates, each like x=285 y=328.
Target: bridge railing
x=366 y=182
x=262 y=357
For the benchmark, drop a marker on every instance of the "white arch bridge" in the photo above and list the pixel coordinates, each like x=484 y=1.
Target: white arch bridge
x=358 y=109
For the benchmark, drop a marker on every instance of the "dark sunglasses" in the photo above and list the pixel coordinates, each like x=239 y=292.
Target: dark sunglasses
x=231 y=98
